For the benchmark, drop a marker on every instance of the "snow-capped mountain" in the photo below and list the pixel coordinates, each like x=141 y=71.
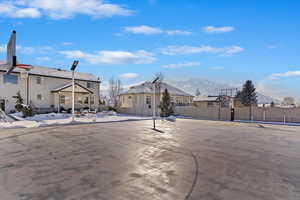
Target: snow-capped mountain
x=207 y=87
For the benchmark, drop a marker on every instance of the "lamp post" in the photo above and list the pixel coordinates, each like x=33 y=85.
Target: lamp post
x=75 y=63
x=154 y=100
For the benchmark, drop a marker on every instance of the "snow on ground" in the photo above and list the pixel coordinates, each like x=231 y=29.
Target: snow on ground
x=61 y=118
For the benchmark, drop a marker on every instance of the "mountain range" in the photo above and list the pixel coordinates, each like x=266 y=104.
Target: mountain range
x=207 y=87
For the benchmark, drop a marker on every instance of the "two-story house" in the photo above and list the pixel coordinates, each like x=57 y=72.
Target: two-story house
x=47 y=88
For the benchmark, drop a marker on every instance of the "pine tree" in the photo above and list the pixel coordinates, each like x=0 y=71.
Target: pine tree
x=248 y=94
x=19 y=102
x=272 y=104
x=166 y=106
x=197 y=92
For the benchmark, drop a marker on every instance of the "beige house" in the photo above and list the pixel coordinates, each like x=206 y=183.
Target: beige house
x=139 y=99
x=204 y=101
x=47 y=89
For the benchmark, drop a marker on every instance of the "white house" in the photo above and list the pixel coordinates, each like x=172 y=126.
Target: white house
x=139 y=99
x=47 y=89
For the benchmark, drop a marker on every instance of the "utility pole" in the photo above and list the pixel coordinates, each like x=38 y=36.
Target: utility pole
x=75 y=63
x=154 y=100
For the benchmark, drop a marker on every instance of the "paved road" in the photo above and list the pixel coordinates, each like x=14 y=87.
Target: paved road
x=188 y=159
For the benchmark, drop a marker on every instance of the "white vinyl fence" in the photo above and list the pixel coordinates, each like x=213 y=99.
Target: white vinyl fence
x=270 y=114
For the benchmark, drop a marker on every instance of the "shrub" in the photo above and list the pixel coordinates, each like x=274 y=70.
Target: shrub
x=110 y=108
x=27 y=111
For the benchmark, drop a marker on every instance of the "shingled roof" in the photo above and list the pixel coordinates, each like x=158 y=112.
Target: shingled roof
x=55 y=72
x=146 y=88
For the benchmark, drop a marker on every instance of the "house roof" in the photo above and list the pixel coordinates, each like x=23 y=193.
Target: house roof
x=204 y=98
x=146 y=88
x=55 y=72
x=70 y=85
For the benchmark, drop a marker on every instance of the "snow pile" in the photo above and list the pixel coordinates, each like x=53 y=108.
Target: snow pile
x=171 y=118
x=50 y=116
x=61 y=118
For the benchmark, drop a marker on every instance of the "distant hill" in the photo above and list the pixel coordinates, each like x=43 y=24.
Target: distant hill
x=211 y=88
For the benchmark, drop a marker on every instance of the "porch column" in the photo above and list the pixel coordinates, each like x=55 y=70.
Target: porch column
x=90 y=101
x=58 y=110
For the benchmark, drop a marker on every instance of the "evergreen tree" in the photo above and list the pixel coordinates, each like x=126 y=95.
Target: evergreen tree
x=272 y=104
x=19 y=102
x=197 y=92
x=166 y=106
x=248 y=94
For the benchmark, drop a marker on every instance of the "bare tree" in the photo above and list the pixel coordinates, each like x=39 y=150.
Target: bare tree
x=115 y=89
x=288 y=101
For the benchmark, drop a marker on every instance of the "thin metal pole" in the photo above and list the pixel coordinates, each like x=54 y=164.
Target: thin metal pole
x=73 y=95
x=154 y=106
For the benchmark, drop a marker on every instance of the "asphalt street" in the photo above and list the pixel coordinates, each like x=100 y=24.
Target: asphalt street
x=186 y=159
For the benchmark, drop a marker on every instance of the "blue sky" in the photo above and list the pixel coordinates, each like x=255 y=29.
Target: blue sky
x=227 y=41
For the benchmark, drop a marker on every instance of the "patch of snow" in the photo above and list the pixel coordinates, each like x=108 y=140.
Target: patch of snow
x=61 y=118
x=171 y=118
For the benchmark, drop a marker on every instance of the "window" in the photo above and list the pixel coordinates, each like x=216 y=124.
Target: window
x=210 y=104
x=8 y=78
x=92 y=100
x=62 y=99
x=39 y=97
x=148 y=100
x=38 y=80
x=86 y=100
x=89 y=85
x=129 y=97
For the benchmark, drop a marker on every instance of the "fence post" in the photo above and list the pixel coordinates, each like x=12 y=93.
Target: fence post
x=284 y=116
x=264 y=115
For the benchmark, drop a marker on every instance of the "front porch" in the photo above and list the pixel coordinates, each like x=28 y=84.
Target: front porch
x=84 y=98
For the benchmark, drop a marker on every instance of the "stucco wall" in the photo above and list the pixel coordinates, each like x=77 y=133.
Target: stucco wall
x=7 y=91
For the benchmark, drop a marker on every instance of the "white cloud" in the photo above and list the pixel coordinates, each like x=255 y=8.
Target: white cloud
x=9 y=9
x=34 y=50
x=148 y=30
x=61 y=9
x=29 y=50
x=43 y=58
x=67 y=43
x=285 y=74
x=213 y=29
x=181 y=65
x=128 y=75
x=178 y=32
x=112 y=57
x=143 y=29
x=183 y=50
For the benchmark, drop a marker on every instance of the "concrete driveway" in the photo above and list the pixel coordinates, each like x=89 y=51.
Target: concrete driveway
x=188 y=159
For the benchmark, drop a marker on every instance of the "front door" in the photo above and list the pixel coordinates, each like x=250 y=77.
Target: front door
x=2 y=104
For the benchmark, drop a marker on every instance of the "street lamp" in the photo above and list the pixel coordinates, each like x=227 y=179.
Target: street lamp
x=154 y=101
x=75 y=63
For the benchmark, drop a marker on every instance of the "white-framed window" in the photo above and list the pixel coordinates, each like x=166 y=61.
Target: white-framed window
x=86 y=100
x=39 y=97
x=38 y=80
x=148 y=100
x=62 y=99
x=89 y=85
x=9 y=78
